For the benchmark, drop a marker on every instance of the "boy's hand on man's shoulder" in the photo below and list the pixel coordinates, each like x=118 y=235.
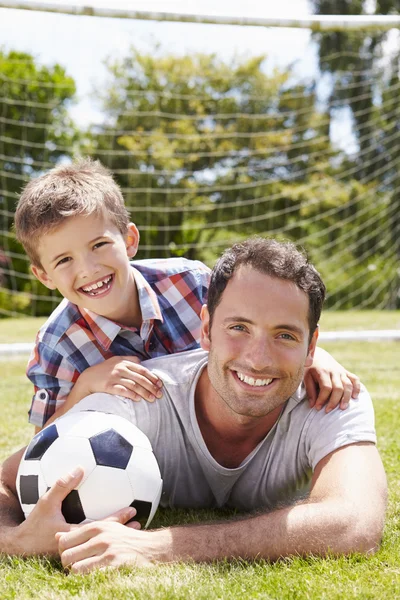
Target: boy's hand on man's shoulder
x=122 y=376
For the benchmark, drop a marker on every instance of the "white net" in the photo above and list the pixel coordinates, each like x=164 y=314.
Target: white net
x=209 y=150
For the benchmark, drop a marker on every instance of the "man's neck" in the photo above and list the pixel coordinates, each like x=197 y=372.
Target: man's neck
x=229 y=437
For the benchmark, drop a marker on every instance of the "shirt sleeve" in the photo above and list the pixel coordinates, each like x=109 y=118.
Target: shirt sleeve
x=328 y=432
x=203 y=276
x=53 y=377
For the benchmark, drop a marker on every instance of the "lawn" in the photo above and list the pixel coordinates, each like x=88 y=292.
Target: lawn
x=313 y=578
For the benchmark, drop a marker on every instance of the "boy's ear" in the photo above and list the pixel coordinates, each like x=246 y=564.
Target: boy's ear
x=311 y=348
x=43 y=277
x=205 y=328
x=132 y=240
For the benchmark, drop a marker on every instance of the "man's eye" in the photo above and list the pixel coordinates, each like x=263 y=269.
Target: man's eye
x=286 y=336
x=238 y=328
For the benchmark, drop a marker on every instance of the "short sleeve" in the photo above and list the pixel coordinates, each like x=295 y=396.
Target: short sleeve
x=53 y=377
x=328 y=432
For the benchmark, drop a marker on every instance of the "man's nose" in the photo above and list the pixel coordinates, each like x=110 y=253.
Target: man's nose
x=260 y=353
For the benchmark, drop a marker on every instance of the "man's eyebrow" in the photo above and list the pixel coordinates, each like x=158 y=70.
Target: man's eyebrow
x=290 y=327
x=237 y=318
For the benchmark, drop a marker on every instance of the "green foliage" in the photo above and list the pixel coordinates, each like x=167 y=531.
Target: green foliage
x=203 y=134
x=362 y=82
x=209 y=152
x=35 y=133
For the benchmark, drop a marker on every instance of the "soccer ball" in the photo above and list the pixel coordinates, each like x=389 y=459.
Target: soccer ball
x=120 y=467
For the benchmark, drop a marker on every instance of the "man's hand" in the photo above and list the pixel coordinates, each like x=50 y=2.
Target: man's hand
x=328 y=383
x=36 y=535
x=121 y=376
x=107 y=543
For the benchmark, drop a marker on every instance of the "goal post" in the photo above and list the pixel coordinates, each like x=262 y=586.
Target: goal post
x=210 y=149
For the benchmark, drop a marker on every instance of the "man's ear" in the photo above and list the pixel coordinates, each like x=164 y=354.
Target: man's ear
x=205 y=328
x=43 y=277
x=311 y=348
x=132 y=240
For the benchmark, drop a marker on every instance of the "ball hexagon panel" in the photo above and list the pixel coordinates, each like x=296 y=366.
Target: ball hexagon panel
x=65 y=454
x=83 y=424
x=155 y=503
x=144 y=474
x=41 y=443
x=96 y=498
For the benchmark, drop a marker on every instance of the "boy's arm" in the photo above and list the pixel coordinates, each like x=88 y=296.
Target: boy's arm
x=329 y=384
x=119 y=376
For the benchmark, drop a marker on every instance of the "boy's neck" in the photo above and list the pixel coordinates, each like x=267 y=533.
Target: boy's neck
x=132 y=315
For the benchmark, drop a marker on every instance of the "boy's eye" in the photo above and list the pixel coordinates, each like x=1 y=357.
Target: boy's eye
x=99 y=244
x=63 y=260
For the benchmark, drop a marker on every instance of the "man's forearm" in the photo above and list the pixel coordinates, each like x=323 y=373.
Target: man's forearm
x=10 y=511
x=309 y=528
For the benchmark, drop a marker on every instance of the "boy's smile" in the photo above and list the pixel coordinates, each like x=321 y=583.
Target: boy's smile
x=87 y=260
x=98 y=288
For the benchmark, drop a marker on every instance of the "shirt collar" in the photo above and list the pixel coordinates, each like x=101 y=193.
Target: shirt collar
x=105 y=330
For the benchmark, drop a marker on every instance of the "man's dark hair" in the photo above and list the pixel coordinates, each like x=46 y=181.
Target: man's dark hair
x=276 y=259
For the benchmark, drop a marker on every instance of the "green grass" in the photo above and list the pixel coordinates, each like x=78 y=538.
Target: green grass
x=25 y=329
x=377 y=577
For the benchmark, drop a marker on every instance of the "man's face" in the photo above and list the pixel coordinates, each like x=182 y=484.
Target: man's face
x=87 y=260
x=258 y=343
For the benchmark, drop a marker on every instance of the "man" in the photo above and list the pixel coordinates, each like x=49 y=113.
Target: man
x=234 y=429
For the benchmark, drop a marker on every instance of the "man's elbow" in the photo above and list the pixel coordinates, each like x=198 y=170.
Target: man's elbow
x=363 y=530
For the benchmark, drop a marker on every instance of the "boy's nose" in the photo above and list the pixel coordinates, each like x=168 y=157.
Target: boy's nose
x=88 y=267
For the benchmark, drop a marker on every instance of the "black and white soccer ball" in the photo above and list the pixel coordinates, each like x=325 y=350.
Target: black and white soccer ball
x=120 y=467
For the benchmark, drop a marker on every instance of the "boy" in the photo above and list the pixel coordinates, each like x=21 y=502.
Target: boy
x=75 y=228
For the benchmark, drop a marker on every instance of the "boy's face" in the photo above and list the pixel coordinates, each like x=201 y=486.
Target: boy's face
x=87 y=260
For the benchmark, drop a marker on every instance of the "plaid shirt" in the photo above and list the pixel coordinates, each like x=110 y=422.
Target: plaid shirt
x=171 y=294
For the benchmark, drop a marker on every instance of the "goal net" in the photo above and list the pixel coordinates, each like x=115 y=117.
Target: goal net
x=212 y=147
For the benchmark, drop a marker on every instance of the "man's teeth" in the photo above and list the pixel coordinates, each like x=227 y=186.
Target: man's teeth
x=96 y=286
x=252 y=381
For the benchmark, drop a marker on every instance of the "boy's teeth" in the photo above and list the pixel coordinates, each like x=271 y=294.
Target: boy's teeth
x=95 y=286
x=252 y=381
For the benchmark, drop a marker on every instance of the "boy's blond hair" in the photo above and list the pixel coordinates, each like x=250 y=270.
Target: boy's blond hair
x=84 y=187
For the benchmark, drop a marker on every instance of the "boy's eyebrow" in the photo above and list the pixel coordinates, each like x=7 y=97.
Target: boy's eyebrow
x=58 y=256
x=98 y=237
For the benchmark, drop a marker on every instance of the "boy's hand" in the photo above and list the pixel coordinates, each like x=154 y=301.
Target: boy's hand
x=328 y=383
x=122 y=376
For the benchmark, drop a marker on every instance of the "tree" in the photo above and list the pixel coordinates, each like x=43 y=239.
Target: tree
x=368 y=85
x=202 y=148
x=35 y=133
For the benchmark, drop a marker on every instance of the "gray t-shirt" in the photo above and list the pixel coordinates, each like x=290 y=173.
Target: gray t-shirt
x=278 y=471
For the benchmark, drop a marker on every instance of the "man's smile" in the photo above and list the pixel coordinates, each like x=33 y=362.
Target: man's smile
x=253 y=381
